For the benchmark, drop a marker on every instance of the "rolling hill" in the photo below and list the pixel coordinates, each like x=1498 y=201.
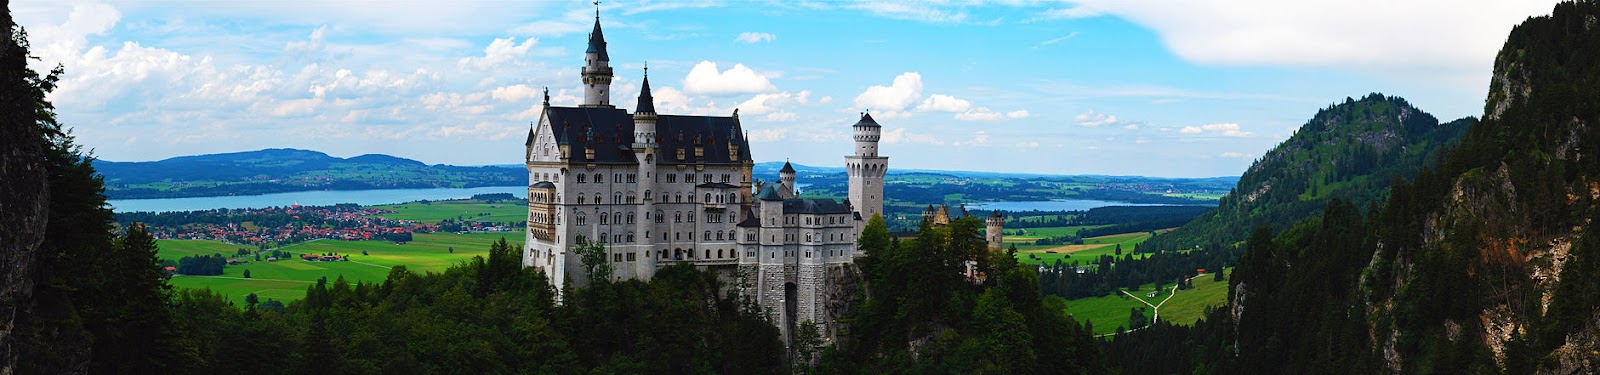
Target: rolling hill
x=287 y=170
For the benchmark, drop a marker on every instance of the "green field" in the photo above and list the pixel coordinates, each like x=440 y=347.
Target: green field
x=1188 y=306
x=174 y=249
x=465 y=209
x=1092 y=248
x=287 y=279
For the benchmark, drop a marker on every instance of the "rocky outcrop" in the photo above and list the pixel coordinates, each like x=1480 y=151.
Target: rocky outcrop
x=1579 y=355
x=23 y=196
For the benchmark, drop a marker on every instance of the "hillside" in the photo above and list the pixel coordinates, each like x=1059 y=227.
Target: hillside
x=1351 y=150
x=1487 y=264
x=286 y=170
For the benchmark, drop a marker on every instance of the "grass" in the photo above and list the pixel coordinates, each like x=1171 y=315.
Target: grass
x=1185 y=308
x=286 y=280
x=463 y=209
x=174 y=249
x=1092 y=248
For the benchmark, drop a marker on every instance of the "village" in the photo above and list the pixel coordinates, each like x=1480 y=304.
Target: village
x=278 y=226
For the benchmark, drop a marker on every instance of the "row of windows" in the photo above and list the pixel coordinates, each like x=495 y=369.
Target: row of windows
x=600 y=178
x=690 y=178
x=677 y=217
x=680 y=254
x=630 y=198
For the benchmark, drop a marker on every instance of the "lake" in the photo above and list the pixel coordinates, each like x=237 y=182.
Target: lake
x=308 y=198
x=1052 y=205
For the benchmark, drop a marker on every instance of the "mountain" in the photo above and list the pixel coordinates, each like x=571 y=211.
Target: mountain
x=1352 y=150
x=1489 y=263
x=287 y=170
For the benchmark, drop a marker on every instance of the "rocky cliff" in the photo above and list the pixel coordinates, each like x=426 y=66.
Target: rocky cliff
x=23 y=196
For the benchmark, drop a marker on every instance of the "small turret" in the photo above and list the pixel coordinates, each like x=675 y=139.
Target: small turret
x=786 y=175
x=596 y=69
x=994 y=230
x=644 y=118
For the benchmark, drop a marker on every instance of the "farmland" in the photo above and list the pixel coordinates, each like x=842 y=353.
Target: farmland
x=1107 y=313
x=461 y=210
x=1092 y=247
x=287 y=279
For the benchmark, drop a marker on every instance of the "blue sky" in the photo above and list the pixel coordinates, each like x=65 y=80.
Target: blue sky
x=1179 y=88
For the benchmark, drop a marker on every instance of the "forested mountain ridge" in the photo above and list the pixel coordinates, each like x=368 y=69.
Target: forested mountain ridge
x=1487 y=263
x=1352 y=149
x=285 y=170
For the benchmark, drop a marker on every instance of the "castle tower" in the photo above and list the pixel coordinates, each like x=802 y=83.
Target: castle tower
x=994 y=227
x=786 y=176
x=596 y=69
x=866 y=170
x=644 y=150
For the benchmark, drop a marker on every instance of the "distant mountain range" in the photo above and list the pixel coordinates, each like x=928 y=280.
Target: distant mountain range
x=282 y=170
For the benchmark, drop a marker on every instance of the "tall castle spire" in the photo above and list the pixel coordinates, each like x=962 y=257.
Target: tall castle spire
x=597 y=68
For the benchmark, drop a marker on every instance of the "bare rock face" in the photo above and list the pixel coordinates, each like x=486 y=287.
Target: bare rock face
x=844 y=286
x=1579 y=355
x=23 y=196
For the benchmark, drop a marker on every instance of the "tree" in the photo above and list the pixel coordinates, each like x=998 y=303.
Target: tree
x=806 y=343
x=593 y=256
x=246 y=274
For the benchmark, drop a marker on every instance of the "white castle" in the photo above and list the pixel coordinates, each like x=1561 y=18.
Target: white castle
x=660 y=189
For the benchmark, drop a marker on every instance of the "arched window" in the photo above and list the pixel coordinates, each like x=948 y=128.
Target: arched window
x=599 y=178
x=708 y=235
x=719 y=235
x=603 y=217
x=580 y=198
x=616 y=197
x=677 y=216
x=677 y=198
x=581 y=218
x=660 y=217
x=631 y=198
x=630 y=218
x=708 y=197
x=580 y=178
x=597 y=199
x=733 y=198
x=603 y=237
x=647 y=194
x=664 y=198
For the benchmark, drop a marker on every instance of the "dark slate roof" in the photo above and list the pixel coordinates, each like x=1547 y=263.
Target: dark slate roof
x=646 y=102
x=613 y=136
x=716 y=185
x=750 y=219
x=786 y=168
x=866 y=120
x=544 y=185
x=813 y=206
x=530 y=138
x=769 y=193
x=597 y=41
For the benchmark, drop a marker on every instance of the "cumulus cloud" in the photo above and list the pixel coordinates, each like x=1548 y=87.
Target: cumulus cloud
x=705 y=78
x=769 y=135
x=902 y=136
x=896 y=97
x=772 y=103
x=750 y=37
x=1226 y=130
x=500 y=51
x=1093 y=119
x=943 y=103
x=979 y=139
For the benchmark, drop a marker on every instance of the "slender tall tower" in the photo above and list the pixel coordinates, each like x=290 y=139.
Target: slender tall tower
x=786 y=176
x=866 y=171
x=596 y=69
x=644 y=150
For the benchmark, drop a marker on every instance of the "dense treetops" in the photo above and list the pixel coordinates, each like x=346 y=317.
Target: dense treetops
x=1352 y=149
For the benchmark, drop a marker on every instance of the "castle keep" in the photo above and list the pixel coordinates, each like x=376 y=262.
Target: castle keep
x=659 y=189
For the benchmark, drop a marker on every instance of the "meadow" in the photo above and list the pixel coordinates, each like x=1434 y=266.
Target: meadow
x=463 y=209
x=1092 y=248
x=286 y=280
x=1185 y=308
x=174 y=249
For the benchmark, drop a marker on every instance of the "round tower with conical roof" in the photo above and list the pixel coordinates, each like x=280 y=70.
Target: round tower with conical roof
x=596 y=69
x=786 y=176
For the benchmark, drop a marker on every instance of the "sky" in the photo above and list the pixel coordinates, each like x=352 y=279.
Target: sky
x=1170 y=88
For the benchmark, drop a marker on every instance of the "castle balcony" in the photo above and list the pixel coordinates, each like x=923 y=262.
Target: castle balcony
x=714 y=206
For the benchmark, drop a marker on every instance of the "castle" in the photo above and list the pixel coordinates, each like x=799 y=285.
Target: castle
x=659 y=189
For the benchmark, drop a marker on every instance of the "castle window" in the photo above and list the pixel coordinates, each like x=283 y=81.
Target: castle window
x=719 y=237
x=688 y=177
x=630 y=238
x=733 y=198
x=690 y=217
x=631 y=198
x=648 y=194
x=616 y=177
x=708 y=197
x=599 y=178
x=630 y=218
x=708 y=178
x=580 y=178
x=672 y=178
x=616 y=197
x=677 y=216
x=597 y=199
x=664 y=198
x=677 y=198
x=719 y=253
x=725 y=178
x=630 y=257
x=603 y=217
x=708 y=253
x=581 y=218
x=580 y=198
x=632 y=178
x=602 y=237
x=708 y=235
x=660 y=217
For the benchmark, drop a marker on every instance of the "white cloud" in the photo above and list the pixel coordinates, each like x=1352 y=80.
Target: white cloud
x=985 y=114
x=705 y=78
x=500 y=51
x=750 y=37
x=905 y=91
x=943 y=103
x=1235 y=155
x=769 y=135
x=979 y=139
x=517 y=94
x=901 y=136
x=1056 y=40
x=772 y=103
x=915 y=11
x=1093 y=119
x=1461 y=41
x=1027 y=145
x=1226 y=130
